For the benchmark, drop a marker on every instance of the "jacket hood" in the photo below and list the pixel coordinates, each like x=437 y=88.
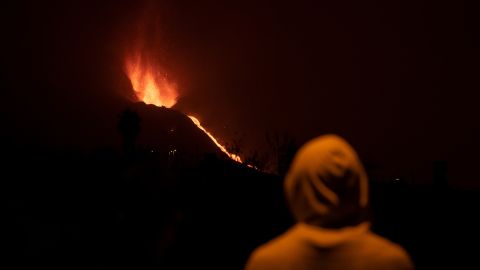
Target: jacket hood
x=327 y=185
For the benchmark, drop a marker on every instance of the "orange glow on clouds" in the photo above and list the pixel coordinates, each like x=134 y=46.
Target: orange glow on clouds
x=153 y=87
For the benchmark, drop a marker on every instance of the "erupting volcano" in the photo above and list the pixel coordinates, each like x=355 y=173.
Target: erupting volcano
x=152 y=86
x=149 y=83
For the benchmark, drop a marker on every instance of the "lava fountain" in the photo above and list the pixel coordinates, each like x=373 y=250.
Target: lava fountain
x=152 y=86
x=149 y=83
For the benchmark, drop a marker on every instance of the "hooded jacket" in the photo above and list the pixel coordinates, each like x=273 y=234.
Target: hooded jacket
x=327 y=191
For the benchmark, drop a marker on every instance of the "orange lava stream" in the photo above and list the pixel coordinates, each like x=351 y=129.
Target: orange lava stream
x=224 y=150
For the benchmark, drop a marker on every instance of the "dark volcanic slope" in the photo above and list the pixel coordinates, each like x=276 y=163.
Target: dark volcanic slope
x=164 y=130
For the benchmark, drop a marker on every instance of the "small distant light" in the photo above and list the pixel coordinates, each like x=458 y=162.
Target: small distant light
x=397 y=179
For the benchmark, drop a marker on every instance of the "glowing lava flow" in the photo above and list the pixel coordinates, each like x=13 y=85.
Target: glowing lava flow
x=230 y=155
x=153 y=87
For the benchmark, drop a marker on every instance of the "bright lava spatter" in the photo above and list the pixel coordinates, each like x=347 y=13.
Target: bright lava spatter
x=153 y=87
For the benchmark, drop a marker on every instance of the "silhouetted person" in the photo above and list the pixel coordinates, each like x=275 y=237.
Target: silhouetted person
x=129 y=127
x=440 y=171
x=327 y=191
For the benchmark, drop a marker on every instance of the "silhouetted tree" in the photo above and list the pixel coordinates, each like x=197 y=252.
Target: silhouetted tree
x=283 y=148
x=256 y=159
x=233 y=146
x=129 y=128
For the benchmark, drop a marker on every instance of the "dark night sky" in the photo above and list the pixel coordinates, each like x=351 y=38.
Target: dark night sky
x=396 y=78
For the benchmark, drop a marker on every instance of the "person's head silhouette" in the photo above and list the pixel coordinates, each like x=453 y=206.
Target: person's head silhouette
x=327 y=185
x=327 y=191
